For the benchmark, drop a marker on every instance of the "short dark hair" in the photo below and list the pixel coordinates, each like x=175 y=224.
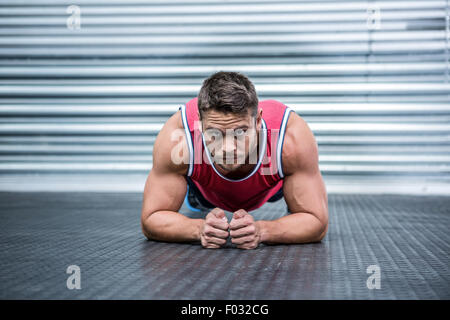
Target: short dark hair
x=228 y=92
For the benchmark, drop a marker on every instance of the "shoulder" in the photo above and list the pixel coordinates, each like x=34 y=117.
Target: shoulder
x=300 y=150
x=271 y=104
x=170 y=150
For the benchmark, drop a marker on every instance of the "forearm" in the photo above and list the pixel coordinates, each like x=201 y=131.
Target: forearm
x=172 y=227
x=294 y=228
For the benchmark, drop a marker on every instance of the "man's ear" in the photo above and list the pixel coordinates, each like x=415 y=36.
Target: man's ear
x=200 y=122
x=259 y=118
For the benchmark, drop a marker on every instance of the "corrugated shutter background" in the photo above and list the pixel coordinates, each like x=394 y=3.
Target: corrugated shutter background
x=81 y=104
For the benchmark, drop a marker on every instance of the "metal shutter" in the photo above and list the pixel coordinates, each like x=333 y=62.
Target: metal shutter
x=81 y=107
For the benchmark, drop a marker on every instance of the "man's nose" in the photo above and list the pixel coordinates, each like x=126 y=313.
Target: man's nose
x=229 y=145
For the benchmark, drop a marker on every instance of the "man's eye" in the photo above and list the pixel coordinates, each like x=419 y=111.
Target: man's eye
x=210 y=133
x=239 y=132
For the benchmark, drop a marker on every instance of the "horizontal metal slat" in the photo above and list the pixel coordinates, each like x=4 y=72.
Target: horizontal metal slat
x=410 y=142
x=380 y=98
x=53 y=128
x=231 y=50
x=259 y=80
x=156 y=119
x=298 y=27
x=152 y=128
x=218 y=18
x=236 y=39
x=76 y=149
x=190 y=2
x=227 y=8
x=303 y=109
x=251 y=70
x=385 y=140
x=401 y=153
x=174 y=90
x=418 y=57
x=136 y=167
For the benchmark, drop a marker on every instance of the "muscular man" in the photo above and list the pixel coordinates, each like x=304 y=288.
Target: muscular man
x=225 y=150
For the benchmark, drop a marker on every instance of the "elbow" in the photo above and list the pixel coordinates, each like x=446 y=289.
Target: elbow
x=320 y=237
x=322 y=231
x=146 y=232
x=145 y=226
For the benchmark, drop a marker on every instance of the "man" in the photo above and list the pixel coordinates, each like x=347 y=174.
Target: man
x=235 y=153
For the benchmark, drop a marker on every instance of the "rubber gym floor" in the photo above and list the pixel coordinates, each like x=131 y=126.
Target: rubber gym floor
x=406 y=237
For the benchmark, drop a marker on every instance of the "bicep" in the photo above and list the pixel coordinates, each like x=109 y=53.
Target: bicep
x=165 y=186
x=303 y=186
x=306 y=192
x=163 y=191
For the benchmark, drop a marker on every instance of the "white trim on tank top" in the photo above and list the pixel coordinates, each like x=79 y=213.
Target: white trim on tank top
x=188 y=138
x=280 y=141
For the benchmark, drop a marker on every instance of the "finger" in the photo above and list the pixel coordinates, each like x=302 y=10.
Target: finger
x=248 y=246
x=218 y=219
x=240 y=223
x=206 y=244
x=214 y=240
x=217 y=223
x=239 y=214
x=214 y=232
x=218 y=213
x=244 y=231
x=211 y=246
x=243 y=240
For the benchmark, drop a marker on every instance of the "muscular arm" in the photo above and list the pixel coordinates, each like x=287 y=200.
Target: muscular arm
x=165 y=190
x=304 y=190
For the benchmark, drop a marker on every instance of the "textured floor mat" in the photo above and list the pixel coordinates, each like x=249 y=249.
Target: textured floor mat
x=407 y=237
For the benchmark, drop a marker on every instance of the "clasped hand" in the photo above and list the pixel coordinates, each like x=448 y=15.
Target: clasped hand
x=243 y=230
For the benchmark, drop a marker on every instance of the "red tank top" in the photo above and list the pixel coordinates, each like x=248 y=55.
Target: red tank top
x=252 y=191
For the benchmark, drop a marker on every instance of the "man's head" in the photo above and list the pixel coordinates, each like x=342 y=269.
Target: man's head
x=230 y=118
x=228 y=92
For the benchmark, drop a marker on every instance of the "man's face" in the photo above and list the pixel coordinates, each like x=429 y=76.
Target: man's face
x=231 y=139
